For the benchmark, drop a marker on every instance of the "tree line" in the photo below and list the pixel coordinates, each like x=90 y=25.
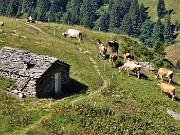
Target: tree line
x=118 y=16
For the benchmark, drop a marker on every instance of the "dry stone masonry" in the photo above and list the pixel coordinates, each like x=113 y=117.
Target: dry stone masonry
x=34 y=75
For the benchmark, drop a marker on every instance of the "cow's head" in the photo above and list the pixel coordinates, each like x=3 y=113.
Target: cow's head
x=64 y=34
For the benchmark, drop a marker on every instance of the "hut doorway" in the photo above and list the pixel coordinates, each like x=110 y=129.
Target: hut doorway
x=57 y=82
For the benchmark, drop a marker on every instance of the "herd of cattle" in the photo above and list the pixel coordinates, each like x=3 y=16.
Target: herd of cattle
x=129 y=63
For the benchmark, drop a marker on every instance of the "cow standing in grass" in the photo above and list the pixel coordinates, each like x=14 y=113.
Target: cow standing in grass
x=128 y=56
x=73 y=33
x=167 y=88
x=162 y=72
x=131 y=66
x=113 y=46
x=113 y=58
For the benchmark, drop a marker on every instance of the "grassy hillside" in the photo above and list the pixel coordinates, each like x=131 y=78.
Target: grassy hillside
x=169 y=4
x=102 y=101
x=172 y=53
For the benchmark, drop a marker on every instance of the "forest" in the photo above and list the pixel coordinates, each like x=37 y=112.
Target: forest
x=128 y=17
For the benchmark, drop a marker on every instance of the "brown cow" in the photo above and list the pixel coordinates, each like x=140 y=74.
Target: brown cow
x=112 y=58
x=162 y=72
x=128 y=56
x=167 y=88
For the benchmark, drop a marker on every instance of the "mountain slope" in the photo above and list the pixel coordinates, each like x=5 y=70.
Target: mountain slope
x=101 y=100
x=169 y=4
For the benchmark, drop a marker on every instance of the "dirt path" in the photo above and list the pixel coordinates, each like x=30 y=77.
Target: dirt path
x=35 y=28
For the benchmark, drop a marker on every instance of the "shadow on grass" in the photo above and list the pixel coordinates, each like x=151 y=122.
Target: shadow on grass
x=175 y=98
x=143 y=76
x=72 y=88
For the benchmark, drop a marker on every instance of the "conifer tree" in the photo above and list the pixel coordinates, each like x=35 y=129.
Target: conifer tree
x=56 y=6
x=3 y=7
x=143 y=13
x=168 y=31
x=135 y=18
x=158 y=31
x=103 y=23
x=10 y=10
x=161 y=10
x=75 y=11
x=146 y=32
x=43 y=7
x=88 y=13
x=126 y=25
x=116 y=14
x=19 y=12
x=159 y=48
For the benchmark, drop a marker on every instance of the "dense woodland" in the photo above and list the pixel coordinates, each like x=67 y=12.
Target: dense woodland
x=118 y=16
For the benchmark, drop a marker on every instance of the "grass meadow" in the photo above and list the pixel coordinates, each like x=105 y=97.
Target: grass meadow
x=103 y=101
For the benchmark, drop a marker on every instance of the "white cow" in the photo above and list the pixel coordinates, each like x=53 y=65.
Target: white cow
x=131 y=66
x=73 y=33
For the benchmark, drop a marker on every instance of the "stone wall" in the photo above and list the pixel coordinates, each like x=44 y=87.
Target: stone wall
x=45 y=86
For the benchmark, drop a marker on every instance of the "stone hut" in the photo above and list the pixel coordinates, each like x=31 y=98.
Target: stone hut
x=34 y=75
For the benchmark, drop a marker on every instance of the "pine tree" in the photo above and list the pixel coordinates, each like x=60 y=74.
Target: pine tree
x=88 y=13
x=116 y=14
x=158 y=31
x=55 y=8
x=161 y=10
x=126 y=25
x=66 y=18
x=75 y=11
x=102 y=23
x=10 y=10
x=146 y=32
x=19 y=12
x=135 y=18
x=25 y=6
x=159 y=48
x=3 y=7
x=168 y=32
x=143 y=13
x=43 y=7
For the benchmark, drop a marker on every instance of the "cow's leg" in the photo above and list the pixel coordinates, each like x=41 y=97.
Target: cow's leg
x=128 y=72
x=161 y=77
x=138 y=73
x=173 y=96
x=114 y=64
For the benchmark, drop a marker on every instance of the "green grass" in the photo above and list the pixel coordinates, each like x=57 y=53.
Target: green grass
x=169 y=4
x=126 y=105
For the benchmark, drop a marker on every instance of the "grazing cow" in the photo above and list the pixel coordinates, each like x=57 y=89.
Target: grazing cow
x=162 y=72
x=102 y=50
x=167 y=88
x=128 y=56
x=113 y=46
x=112 y=58
x=73 y=33
x=30 y=20
x=1 y=23
x=131 y=66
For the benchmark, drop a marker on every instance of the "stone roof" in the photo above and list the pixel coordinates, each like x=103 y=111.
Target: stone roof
x=24 y=63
